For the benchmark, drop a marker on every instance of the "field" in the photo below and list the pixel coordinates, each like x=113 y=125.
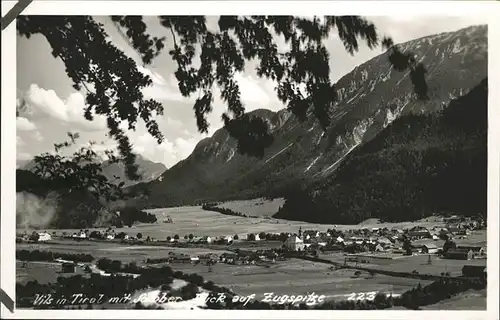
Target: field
x=43 y=272
x=196 y=221
x=116 y=251
x=470 y=300
x=418 y=263
x=299 y=277
x=291 y=277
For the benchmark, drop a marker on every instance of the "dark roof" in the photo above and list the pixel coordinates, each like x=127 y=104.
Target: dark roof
x=419 y=232
x=430 y=245
x=475 y=268
x=456 y=253
x=473 y=248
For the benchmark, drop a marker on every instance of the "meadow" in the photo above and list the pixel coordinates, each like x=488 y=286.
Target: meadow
x=290 y=277
x=194 y=220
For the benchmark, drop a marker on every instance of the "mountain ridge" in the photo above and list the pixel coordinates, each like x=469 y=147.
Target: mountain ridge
x=417 y=166
x=370 y=98
x=115 y=172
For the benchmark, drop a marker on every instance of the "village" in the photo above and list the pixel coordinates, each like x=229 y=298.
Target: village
x=362 y=245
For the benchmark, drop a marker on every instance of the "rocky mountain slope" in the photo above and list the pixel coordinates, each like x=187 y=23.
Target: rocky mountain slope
x=116 y=171
x=419 y=165
x=370 y=97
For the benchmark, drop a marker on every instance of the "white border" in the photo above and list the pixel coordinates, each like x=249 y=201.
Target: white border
x=488 y=9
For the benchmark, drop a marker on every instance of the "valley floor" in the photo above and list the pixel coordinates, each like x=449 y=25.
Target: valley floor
x=292 y=276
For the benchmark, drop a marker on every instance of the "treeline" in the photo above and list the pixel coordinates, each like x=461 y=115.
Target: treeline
x=229 y=212
x=114 y=285
x=78 y=209
x=420 y=164
x=36 y=255
x=411 y=299
x=119 y=285
x=129 y=215
x=438 y=291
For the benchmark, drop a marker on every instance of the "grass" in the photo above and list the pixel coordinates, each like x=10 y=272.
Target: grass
x=296 y=276
x=43 y=272
x=196 y=221
x=470 y=300
x=285 y=277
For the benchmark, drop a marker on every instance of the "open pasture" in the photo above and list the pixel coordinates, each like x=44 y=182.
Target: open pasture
x=43 y=272
x=418 y=263
x=115 y=251
x=194 y=220
x=469 y=300
x=296 y=276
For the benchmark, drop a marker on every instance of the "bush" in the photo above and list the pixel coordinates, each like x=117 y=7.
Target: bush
x=37 y=255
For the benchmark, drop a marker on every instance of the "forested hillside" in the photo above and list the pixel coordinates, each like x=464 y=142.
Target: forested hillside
x=419 y=165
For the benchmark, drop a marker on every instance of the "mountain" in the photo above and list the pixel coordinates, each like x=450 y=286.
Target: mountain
x=371 y=97
x=417 y=166
x=148 y=169
x=116 y=171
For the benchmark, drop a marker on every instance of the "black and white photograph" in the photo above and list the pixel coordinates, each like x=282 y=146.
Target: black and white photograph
x=250 y=162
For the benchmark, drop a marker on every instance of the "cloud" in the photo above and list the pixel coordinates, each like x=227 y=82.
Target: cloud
x=37 y=135
x=251 y=89
x=24 y=124
x=155 y=77
x=168 y=152
x=23 y=156
x=185 y=146
x=19 y=142
x=46 y=103
x=161 y=89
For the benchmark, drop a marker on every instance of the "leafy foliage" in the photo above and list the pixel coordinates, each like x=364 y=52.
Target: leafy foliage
x=301 y=73
x=79 y=172
x=83 y=190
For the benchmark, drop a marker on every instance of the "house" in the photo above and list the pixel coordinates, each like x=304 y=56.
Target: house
x=228 y=239
x=397 y=250
x=429 y=248
x=110 y=236
x=311 y=234
x=419 y=234
x=477 y=250
x=204 y=239
x=379 y=248
x=331 y=248
x=80 y=235
x=357 y=240
x=453 y=229
x=474 y=271
x=458 y=255
x=44 y=236
x=453 y=219
x=197 y=239
x=257 y=238
x=384 y=241
x=67 y=267
x=295 y=243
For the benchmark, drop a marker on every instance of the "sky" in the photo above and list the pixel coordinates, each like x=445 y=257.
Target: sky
x=54 y=108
